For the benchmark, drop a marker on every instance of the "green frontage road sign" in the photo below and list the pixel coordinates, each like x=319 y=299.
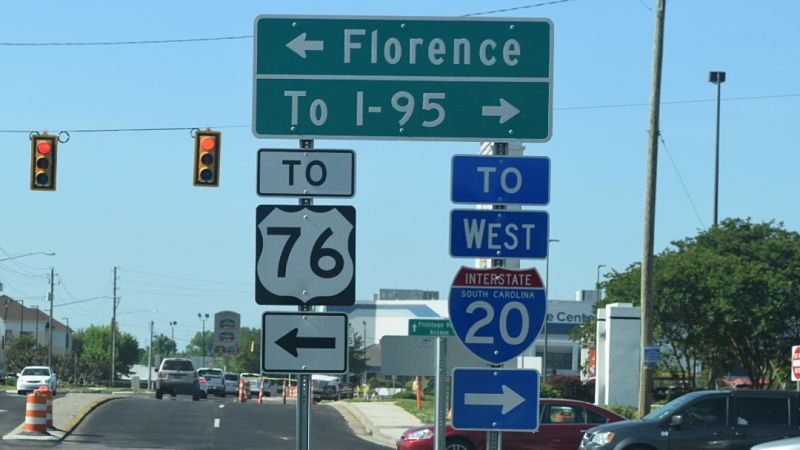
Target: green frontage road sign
x=430 y=327
x=425 y=78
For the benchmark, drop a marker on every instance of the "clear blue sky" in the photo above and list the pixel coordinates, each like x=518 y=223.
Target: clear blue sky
x=126 y=199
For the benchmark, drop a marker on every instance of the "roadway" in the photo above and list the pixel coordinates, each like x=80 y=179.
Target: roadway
x=147 y=423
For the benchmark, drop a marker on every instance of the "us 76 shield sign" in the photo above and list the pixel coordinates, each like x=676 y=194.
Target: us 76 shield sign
x=305 y=255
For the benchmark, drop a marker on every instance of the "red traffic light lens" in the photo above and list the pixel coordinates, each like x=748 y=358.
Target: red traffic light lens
x=208 y=143
x=43 y=147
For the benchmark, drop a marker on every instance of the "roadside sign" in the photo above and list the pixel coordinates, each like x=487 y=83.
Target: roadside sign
x=305 y=255
x=521 y=180
x=796 y=363
x=430 y=327
x=304 y=173
x=227 y=335
x=303 y=342
x=493 y=233
x=427 y=78
x=495 y=399
x=416 y=355
x=497 y=313
x=652 y=355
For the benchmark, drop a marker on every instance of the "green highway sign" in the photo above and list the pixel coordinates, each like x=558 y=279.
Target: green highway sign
x=430 y=327
x=426 y=78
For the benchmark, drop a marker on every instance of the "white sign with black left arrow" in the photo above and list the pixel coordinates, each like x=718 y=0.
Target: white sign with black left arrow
x=304 y=342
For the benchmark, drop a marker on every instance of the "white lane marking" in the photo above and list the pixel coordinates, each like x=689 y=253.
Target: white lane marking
x=216 y=423
x=3 y=410
x=221 y=406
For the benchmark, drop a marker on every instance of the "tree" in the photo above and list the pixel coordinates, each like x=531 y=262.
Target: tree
x=195 y=346
x=93 y=346
x=163 y=347
x=22 y=351
x=247 y=360
x=729 y=296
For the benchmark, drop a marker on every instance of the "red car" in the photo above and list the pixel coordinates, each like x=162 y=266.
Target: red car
x=561 y=426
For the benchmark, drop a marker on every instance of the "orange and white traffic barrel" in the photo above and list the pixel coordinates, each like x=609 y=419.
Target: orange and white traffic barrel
x=244 y=390
x=36 y=413
x=45 y=391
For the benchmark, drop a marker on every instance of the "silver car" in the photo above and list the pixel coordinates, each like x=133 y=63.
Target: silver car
x=231 y=383
x=177 y=376
x=211 y=382
x=781 y=444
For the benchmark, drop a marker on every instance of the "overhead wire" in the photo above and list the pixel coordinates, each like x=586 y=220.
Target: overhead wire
x=680 y=179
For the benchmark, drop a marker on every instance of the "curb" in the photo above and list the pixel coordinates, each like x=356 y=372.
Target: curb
x=355 y=416
x=77 y=418
x=55 y=434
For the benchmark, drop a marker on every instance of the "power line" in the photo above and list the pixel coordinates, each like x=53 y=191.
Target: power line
x=516 y=8
x=147 y=42
x=201 y=280
x=680 y=179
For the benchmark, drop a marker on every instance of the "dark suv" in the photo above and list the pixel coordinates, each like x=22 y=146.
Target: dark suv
x=177 y=376
x=729 y=420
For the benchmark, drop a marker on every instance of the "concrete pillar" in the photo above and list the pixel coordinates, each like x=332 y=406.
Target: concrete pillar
x=622 y=354
x=600 y=359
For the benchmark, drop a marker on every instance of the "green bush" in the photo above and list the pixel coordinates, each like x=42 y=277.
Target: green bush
x=629 y=412
x=547 y=391
x=408 y=394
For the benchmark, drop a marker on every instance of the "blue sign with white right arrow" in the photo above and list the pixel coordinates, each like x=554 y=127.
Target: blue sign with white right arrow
x=495 y=399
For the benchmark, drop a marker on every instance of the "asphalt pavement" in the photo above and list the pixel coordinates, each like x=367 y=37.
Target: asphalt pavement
x=94 y=421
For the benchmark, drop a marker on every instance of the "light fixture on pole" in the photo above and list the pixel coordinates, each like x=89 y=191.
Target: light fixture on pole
x=597 y=296
x=172 y=325
x=716 y=78
x=203 y=318
x=546 y=313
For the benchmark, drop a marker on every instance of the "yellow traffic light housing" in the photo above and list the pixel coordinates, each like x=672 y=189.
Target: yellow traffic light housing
x=43 y=162
x=207 y=146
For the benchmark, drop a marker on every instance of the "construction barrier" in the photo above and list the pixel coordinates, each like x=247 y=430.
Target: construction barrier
x=284 y=392
x=244 y=390
x=261 y=392
x=313 y=399
x=36 y=413
x=47 y=393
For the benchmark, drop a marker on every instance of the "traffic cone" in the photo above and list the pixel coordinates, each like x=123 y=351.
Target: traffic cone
x=284 y=392
x=244 y=390
x=261 y=393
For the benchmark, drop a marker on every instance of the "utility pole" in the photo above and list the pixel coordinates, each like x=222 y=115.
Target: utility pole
x=50 y=339
x=646 y=373
x=114 y=329
x=37 y=326
x=21 y=315
x=150 y=359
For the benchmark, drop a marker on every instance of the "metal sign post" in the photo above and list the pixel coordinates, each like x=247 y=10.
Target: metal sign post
x=441 y=392
x=304 y=381
x=494 y=439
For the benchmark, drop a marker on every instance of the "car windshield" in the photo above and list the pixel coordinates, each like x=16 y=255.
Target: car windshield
x=231 y=377
x=669 y=409
x=209 y=372
x=36 y=372
x=177 y=365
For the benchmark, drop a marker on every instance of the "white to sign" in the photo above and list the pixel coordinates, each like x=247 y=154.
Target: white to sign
x=305 y=255
x=306 y=173
x=796 y=363
x=304 y=342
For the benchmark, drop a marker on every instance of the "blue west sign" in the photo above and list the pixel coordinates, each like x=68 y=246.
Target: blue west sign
x=483 y=233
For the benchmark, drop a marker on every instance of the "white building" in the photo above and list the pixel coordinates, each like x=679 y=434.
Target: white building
x=16 y=320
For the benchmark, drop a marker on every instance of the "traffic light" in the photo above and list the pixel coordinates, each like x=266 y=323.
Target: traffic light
x=206 y=158
x=43 y=162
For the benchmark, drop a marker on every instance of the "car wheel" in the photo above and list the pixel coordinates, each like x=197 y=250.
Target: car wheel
x=222 y=395
x=55 y=392
x=195 y=396
x=203 y=395
x=20 y=392
x=459 y=444
x=159 y=394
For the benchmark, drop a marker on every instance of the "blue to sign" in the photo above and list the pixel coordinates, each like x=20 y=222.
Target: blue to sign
x=480 y=233
x=495 y=399
x=497 y=313
x=520 y=180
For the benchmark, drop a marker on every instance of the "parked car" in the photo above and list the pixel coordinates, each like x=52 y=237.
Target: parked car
x=212 y=381
x=231 y=383
x=561 y=425
x=177 y=376
x=33 y=377
x=731 y=420
x=780 y=444
x=255 y=384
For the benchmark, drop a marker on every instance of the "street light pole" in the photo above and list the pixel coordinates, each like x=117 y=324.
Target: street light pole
x=546 y=313
x=172 y=324
x=50 y=344
x=717 y=78
x=597 y=285
x=365 y=351
x=203 y=318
